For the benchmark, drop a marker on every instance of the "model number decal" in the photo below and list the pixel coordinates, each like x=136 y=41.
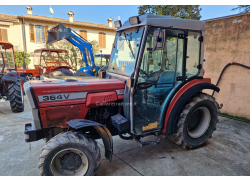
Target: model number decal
x=61 y=97
x=54 y=97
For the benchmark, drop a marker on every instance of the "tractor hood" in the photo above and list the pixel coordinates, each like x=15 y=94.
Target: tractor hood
x=64 y=92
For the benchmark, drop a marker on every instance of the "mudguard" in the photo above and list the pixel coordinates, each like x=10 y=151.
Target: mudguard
x=10 y=77
x=170 y=120
x=101 y=129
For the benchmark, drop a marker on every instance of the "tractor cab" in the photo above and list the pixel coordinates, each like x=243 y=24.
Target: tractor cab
x=7 y=60
x=158 y=54
x=52 y=60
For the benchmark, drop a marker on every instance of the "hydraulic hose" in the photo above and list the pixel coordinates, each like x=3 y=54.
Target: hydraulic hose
x=233 y=63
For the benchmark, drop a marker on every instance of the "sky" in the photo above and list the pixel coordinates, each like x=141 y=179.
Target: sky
x=100 y=13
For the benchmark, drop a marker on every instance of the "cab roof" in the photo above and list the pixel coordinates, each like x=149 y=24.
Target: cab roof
x=165 y=21
x=6 y=44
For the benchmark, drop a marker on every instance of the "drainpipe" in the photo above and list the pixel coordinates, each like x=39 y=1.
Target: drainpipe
x=24 y=43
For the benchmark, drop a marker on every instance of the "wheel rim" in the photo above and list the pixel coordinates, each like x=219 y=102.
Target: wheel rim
x=69 y=162
x=198 y=122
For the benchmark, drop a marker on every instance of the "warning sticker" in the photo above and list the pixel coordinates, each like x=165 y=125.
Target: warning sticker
x=149 y=126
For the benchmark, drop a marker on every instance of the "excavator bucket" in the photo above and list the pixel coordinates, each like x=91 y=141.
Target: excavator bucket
x=58 y=33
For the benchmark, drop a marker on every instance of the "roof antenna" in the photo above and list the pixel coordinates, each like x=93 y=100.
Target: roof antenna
x=51 y=11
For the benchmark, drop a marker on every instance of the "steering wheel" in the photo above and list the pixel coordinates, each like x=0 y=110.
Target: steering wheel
x=143 y=72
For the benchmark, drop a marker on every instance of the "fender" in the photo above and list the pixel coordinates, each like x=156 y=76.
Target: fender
x=180 y=99
x=11 y=77
x=101 y=129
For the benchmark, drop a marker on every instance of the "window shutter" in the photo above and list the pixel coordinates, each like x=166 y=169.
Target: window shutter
x=83 y=33
x=0 y=34
x=102 y=40
x=4 y=35
x=32 y=33
x=46 y=28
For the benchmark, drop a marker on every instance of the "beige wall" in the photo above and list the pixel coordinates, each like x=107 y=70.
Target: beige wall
x=14 y=35
x=228 y=40
x=92 y=34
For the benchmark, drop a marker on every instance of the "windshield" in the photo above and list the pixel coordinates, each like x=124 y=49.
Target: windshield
x=125 y=51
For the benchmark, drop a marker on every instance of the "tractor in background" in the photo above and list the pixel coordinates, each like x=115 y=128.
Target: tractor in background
x=60 y=32
x=52 y=60
x=10 y=79
x=153 y=85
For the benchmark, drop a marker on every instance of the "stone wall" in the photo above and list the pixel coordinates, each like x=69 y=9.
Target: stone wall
x=228 y=40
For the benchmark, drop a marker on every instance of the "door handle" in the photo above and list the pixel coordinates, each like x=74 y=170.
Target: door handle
x=143 y=85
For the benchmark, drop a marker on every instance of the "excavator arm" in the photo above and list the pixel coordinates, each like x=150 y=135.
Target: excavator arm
x=60 y=32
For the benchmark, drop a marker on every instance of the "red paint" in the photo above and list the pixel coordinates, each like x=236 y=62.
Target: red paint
x=83 y=85
x=58 y=116
x=34 y=72
x=120 y=96
x=62 y=103
x=178 y=95
x=100 y=99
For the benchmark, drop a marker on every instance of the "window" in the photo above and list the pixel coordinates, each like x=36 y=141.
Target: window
x=83 y=33
x=38 y=33
x=102 y=40
x=3 y=35
x=193 y=53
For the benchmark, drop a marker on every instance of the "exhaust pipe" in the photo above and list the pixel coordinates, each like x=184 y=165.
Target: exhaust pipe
x=58 y=33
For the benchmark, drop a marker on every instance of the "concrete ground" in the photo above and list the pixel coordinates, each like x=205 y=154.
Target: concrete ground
x=227 y=153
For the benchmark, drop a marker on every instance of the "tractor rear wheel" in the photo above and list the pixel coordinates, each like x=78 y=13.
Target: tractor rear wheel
x=81 y=73
x=197 y=122
x=70 y=153
x=65 y=71
x=15 y=92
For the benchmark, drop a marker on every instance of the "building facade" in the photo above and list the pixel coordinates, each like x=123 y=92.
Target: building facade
x=29 y=32
x=227 y=40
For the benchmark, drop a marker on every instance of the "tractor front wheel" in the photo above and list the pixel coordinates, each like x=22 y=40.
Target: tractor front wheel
x=196 y=122
x=70 y=153
x=15 y=92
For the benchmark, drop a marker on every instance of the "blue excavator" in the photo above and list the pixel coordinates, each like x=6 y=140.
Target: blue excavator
x=60 y=32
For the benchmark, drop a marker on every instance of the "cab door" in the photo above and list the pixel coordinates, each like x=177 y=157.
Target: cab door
x=156 y=77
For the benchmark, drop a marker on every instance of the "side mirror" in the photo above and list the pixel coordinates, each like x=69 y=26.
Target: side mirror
x=143 y=85
x=159 y=39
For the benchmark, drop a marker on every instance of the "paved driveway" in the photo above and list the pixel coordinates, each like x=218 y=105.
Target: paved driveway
x=227 y=153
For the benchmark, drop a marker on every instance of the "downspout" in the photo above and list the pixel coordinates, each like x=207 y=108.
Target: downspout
x=24 y=43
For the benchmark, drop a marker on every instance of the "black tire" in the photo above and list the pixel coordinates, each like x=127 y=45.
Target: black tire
x=65 y=71
x=64 y=141
x=15 y=93
x=81 y=73
x=193 y=127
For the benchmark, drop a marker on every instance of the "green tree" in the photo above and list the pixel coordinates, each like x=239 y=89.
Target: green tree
x=242 y=8
x=182 y=11
x=19 y=59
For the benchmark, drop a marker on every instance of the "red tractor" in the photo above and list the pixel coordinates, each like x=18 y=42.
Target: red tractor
x=11 y=77
x=53 y=60
x=153 y=85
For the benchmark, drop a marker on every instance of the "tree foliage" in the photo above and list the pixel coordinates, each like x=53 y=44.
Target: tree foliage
x=242 y=8
x=182 y=11
x=19 y=59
